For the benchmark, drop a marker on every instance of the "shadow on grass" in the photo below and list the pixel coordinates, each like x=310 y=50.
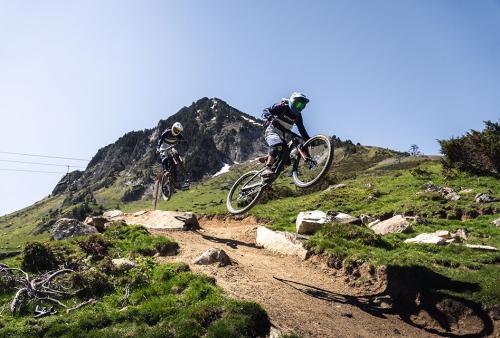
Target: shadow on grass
x=411 y=290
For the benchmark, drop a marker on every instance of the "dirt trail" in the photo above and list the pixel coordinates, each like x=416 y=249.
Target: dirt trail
x=298 y=295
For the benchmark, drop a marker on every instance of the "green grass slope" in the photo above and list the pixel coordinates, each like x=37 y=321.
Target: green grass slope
x=379 y=183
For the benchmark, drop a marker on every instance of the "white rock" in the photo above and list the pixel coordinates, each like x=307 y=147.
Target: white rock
x=366 y=219
x=426 y=238
x=496 y=222
x=443 y=234
x=281 y=242
x=344 y=218
x=309 y=221
x=371 y=224
x=481 y=247
x=123 y=263
x=484 y=198
x=164 y=220
x=336 y=186
x=392 y=225
x=212 y=256
x=112 y=213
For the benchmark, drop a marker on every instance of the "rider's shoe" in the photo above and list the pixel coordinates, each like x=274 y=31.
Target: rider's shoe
x=267 y=174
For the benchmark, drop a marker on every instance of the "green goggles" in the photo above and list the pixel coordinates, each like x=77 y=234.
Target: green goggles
x=299 y=105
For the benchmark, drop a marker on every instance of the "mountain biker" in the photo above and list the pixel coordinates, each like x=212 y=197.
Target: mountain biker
x=169 y=138
x=281 y=118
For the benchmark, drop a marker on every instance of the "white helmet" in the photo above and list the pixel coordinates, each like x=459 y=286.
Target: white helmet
x=298 y=97
x=177 y=128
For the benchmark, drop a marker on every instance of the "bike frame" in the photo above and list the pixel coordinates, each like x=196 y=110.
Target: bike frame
x=280 y=165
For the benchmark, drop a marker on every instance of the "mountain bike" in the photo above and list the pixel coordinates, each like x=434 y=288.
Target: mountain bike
x=310 y=161
x=165 y=183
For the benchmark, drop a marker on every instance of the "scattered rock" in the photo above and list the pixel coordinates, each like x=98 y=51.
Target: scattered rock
x=280 y=241
x=496 y=222
x=212 y=256
x=164 y=220
x=426 y=238
x=338 y=217
x=120 y=222
x=97 y=222
x=310 y=221
x=371 y=198
x=443 y=234
x=336 y=186
x=484 y=198
x=371 y=224
x=461 y=234
x=123 y=264
x=394 y=224
x=68 y=227
x=481 y=247
x=139 y=213
x=112 y=214
x=446 y=192
x=366 y=219
x=369 y=185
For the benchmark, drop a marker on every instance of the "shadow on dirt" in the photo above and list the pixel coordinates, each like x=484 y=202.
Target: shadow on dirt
x=417 y=295
x=232 y=243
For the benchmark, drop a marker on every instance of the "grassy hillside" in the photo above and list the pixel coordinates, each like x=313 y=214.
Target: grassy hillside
x=379 y=183
x=148 y=300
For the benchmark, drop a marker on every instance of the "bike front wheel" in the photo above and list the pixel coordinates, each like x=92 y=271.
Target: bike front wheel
x=166 y=186
x=245 y=192
x=319 y=157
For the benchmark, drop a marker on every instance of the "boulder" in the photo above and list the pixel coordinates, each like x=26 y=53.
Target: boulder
x=68 y=227
x=139 y=213
x=496 y=222
x=282 y=242
x=338 y=217
x=97 y=222
x=123 y=264
x=460 y=234
x=310 y=221
x=481 y=247
x=392 y=225
x=371 y=224
x=112 y=214
x=484 y=198
x=443 y=234
x=426 y=238
x=366 y=219
x=164 y=220
x=212 y=256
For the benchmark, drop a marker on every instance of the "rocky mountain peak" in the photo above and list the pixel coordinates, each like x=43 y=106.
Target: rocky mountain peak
x=216 y=134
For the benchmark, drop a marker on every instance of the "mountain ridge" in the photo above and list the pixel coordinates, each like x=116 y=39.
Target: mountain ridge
x=215 y=134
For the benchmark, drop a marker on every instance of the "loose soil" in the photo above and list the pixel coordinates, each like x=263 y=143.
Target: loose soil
x=305 y=297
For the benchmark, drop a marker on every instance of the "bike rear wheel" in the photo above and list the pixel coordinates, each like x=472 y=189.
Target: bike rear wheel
x=244 y=193
x=307 y=172
x=166 y=186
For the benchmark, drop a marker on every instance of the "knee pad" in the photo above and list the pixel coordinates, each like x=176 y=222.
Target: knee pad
x=276 y=150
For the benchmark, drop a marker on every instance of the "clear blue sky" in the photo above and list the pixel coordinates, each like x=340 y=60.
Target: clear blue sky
x=76 y=75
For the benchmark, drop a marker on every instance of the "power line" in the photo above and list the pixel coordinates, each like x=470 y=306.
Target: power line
x=34 y=171
x=38 y=163
x=46 y=156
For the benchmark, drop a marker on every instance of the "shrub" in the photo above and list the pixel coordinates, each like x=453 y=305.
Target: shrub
x=96 y=246
x=91 y=283
x=38 y=257
x=476 y=152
